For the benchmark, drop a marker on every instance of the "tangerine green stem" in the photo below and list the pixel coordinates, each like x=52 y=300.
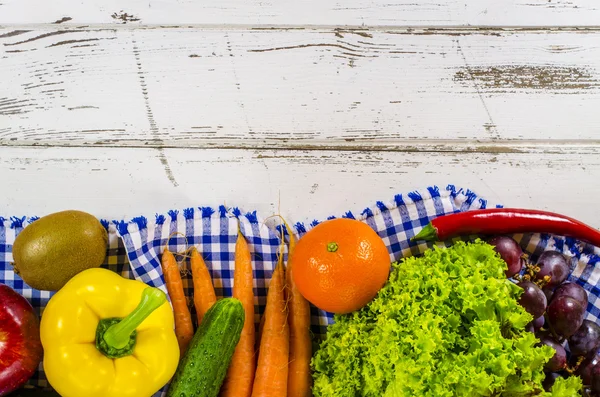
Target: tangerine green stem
x=332 y=247
x=118 y=335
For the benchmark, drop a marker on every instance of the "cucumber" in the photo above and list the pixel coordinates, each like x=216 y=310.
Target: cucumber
x=203 y=368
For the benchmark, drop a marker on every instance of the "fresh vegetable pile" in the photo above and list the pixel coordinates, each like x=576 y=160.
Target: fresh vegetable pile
x=446 y=324
x=474 y=319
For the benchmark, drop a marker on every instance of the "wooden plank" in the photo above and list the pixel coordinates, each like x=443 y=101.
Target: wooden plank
x=117 y=182
x=307 y=89
x=309 y=12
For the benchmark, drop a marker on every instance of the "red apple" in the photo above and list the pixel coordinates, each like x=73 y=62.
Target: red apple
x=20 y=345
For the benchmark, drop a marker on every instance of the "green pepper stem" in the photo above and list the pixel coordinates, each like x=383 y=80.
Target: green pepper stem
x=118 y=335
x=428 y=233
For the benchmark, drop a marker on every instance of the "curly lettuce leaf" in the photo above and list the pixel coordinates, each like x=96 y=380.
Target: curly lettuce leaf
x=446 y=324
x=566 y=387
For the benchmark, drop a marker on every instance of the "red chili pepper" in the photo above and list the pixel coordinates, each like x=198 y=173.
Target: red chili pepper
x=493 y=221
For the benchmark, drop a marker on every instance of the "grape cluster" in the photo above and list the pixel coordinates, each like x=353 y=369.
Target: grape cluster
x=558 y=308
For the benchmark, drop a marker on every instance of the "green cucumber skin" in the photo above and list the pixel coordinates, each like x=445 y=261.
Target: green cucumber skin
x=203 y=368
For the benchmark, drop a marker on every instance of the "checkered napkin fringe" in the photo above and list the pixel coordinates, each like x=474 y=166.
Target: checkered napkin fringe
x=135 y=246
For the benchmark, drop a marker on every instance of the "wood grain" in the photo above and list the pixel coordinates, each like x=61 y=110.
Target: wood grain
x=307 y=12
x=315 y=88
x=116 y=182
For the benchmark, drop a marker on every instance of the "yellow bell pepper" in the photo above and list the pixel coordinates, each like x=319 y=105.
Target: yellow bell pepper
x=108 y=336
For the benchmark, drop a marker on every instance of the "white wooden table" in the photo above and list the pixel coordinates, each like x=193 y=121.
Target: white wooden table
x=134 y=107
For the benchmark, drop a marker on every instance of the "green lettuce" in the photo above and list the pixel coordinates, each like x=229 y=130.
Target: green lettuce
x=446 y=324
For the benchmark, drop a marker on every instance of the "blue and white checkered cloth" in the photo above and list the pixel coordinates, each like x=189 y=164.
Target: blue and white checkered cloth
x=135 y=246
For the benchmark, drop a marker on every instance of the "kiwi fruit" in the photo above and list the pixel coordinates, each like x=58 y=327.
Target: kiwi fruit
x=53 y=249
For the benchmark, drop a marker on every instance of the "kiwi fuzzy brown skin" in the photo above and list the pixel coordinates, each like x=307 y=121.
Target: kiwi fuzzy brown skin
x=53 y=249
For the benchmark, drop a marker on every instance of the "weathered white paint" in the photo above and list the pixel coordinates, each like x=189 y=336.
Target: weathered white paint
x=298 y=88
x=143 y=106
x=117 y=182
x=306 y=12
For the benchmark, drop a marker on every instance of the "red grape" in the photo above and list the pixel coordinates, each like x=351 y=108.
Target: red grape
x=565 y=315
x=533 y=299
x=573 y=290
x=559 y=360
x=553 y=264
x=595 y=379
x=549 y=380
x=510 y=252
x=549 y=292
x=585 y=369
x=538 y=322
x=586 y=339
x=529 y=328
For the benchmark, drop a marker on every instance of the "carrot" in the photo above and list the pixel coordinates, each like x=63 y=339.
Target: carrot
x=184 y=329
x=204 y=292
x=299 y=377
x=240 y=374
x=261 y=325
x=272 y=367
